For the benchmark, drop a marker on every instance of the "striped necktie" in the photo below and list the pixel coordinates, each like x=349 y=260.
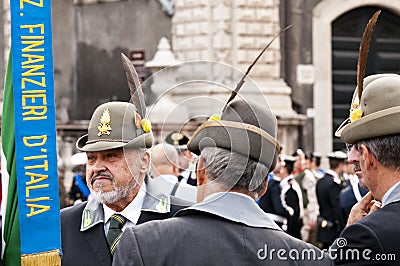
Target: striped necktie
x=117 y=221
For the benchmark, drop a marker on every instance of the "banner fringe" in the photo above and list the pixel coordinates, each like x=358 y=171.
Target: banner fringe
x=49 y=258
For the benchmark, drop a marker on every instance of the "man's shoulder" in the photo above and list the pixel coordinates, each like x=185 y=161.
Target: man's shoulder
x=178 y=204
x=327 y=181
x=372 y=224
x=388 y=213
x=73 y=210
x=205 y=227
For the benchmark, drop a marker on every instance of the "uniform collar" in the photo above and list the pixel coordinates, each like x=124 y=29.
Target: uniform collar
x=167 y=177
x=154 y=200
x=392 y=195
x=235 y=207
x=336 y=177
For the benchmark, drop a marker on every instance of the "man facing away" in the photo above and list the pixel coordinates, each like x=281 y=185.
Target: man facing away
x=186 y=159
x=226 y=226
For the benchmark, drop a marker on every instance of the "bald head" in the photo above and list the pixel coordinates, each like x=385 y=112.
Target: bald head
x=164 y=159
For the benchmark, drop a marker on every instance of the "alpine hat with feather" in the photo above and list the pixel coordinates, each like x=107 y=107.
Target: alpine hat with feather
x=375 y=108
x=119 y=124
x=243 y=127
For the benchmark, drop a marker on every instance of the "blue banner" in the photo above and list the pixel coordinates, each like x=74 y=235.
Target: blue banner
x=35 y=126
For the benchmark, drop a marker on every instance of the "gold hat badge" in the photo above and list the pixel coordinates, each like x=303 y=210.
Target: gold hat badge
x=176 y=137
x=105 y=120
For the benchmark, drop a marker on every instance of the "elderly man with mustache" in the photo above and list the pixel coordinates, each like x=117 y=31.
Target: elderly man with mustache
x=122 y=193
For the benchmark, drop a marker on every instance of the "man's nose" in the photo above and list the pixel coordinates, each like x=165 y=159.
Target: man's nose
x=99 y=165
x=353 y=155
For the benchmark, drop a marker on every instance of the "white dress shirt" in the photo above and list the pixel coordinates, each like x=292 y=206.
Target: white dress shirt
x=131 y=212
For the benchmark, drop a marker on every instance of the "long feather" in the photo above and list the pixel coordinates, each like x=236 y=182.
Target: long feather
x=134 y=85
x=241 y=82
x=363 y=53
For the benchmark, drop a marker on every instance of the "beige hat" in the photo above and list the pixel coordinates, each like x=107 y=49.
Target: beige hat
x=377 y=113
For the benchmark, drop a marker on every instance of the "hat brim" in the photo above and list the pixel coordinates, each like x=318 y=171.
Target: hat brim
x=380 y=123
x=143 y=141
x=242 y=138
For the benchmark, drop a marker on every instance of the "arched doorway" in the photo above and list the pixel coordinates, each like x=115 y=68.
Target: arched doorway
x=384 y=56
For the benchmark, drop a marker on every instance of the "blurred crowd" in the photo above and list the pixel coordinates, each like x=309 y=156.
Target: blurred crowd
x=308 y=202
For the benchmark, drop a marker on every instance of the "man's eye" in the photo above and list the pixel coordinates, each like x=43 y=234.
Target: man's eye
x=112 y=155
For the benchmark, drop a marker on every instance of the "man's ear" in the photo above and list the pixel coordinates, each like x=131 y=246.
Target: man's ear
x=201 y=172
x=175 y=169
x=145 y=162
x=264 y=189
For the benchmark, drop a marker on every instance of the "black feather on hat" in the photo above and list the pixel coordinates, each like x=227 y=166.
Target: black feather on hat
x=244 y=127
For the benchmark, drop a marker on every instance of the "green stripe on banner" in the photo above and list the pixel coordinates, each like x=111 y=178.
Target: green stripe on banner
x=11 y=233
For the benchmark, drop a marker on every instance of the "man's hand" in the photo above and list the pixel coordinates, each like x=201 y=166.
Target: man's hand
x=365 y=206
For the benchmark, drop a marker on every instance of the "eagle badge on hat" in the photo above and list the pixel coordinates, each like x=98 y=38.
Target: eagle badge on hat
x=105 y=126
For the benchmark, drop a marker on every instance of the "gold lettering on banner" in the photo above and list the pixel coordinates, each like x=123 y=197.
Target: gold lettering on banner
x=41 y=83
x=35 y=140
x=35 y=178
x=38 y=3
x=29 y=188
x=41 y=209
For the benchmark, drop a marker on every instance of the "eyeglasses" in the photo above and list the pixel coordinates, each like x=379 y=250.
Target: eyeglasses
x=350 y=146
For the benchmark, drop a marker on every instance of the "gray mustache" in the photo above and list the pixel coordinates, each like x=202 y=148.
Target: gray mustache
x=356 y=167
x=102 y=174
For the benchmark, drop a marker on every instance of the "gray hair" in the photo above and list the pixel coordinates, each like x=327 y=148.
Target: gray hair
x=234 y=171
x=386 y=150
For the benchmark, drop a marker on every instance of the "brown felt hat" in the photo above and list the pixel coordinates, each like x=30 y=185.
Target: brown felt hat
x=115 y=125
x=245 y=128
x=380 y=107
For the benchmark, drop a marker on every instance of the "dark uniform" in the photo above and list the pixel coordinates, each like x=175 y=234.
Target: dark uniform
x=329 y=220
x=292 y=199
x=348 y=199
x=271 y=203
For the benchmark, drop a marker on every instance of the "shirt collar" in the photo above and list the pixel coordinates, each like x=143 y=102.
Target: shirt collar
x=155 y=200
x=393 y=194
x=236 y=207
x=284 y=182
x=133 y=210
x=185 y=174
